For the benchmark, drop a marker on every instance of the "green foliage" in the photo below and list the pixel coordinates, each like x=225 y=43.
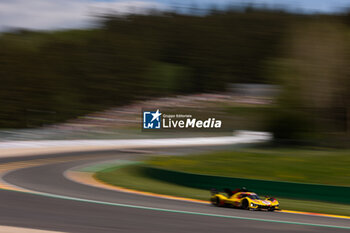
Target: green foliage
x=165 y=78
x=314 y=72
x=290 y=126
x=50 y=77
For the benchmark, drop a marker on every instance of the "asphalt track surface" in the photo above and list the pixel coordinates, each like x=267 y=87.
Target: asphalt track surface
x=111 y=211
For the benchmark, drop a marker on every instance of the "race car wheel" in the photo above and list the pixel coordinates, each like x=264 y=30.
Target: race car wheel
x=214 y=201
x=217 y=201
x=245 y=204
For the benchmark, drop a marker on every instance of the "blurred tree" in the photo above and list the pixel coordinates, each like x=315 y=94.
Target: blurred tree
x=74 y=72
x=315 y=77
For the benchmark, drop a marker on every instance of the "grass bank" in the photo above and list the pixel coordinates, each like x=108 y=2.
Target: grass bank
x=132 y=177
x=293 y=165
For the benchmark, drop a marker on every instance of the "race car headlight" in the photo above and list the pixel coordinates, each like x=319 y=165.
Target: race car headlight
x=253 y=204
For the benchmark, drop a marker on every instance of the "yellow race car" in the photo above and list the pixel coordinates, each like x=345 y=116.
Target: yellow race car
x=244 y=199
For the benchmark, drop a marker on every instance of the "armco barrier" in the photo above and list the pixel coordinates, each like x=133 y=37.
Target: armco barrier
x=328 y=193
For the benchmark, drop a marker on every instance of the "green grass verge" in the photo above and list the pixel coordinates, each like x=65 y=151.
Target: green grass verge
x=133 y=178
x=293 y=165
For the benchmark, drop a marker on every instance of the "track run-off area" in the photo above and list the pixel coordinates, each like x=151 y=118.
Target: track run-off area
x=38 y=191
